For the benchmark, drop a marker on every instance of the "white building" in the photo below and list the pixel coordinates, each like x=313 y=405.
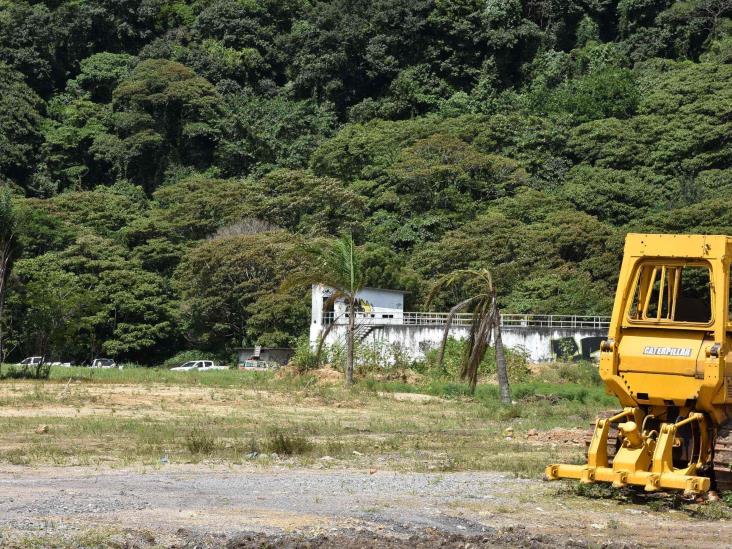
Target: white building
x=382 y=321
x=375 y=306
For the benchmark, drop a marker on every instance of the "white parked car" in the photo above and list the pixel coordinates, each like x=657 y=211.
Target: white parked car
x=36 y=360
x=103 y=363
x=198 y=366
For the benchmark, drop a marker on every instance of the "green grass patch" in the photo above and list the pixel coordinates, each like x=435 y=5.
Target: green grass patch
x=140 y=415
x=219 y=378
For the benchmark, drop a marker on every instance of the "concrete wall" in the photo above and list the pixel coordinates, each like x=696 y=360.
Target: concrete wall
x=280 y=355
x=541 y=344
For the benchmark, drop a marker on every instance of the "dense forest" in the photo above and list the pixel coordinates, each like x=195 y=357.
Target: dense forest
x=166 y=159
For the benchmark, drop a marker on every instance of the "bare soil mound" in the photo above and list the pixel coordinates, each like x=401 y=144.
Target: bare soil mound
x=411 y=397
x=327 y=375
x=558 y=435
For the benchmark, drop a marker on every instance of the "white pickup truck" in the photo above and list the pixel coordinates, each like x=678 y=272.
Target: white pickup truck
x=198 y=366
x=31 y=361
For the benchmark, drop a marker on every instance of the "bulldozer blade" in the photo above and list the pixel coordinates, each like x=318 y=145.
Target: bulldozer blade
x=650 y=481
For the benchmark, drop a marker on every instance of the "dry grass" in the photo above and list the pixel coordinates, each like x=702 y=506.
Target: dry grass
x=89 y=422
x=91 y=537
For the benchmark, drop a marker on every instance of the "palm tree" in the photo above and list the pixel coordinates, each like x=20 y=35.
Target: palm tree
x=485 y=326
x=336 y=264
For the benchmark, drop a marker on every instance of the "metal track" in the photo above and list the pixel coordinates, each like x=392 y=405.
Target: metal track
x=722 y=450
x=723 y=457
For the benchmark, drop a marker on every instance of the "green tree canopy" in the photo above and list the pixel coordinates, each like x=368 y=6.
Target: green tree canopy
x=142 y=138
x=228 y=289
x=20 y=126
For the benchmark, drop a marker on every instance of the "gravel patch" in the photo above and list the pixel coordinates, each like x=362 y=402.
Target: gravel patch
x=207 y=506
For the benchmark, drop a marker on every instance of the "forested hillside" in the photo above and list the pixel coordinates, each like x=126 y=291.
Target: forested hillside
x=167 y=158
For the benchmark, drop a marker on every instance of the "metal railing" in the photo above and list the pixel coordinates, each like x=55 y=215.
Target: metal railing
x=555 y=321
x=464 y=319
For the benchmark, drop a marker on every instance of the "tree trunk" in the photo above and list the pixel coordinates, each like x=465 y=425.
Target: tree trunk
x=349 y=344
x=503 y=385
x=3 y=270
x=2 y=334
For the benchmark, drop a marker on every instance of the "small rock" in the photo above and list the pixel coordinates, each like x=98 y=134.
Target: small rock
x=372 y=471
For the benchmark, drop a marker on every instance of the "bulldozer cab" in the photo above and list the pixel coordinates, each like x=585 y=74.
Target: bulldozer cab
x=671 y=323
x=666 y=360
x=667 y=322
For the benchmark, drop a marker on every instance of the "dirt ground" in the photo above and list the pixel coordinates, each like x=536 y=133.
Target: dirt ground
x=123 y=465
x=248 y=506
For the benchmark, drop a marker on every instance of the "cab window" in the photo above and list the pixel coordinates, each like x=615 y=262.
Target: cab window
x=672 y=293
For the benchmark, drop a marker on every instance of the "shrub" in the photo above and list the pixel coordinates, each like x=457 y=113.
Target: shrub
x=717 y=510
x=378 y=357
x=583 y=373
x=370 y=357
x=16 y=371
x=304 y=358
x=516 y=362
x=727 y=498
x=200 y=441
x=280 y=442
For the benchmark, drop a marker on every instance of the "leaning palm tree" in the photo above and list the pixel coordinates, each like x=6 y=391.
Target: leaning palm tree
x=336 y=264
x=484 y=328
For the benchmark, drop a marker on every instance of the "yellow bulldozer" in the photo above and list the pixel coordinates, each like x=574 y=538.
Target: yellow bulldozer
x=668 y=360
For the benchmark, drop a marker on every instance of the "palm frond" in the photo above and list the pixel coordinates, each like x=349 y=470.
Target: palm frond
x=484 y=328
x=336 y=295
x=331 y=262
x=448 y=324
x=454 y=277
x=477 y=345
